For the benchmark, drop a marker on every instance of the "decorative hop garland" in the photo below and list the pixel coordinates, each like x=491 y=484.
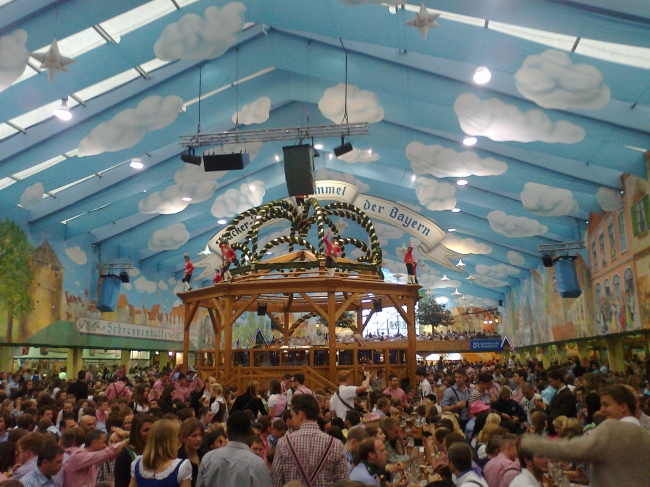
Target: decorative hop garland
x=301 y=222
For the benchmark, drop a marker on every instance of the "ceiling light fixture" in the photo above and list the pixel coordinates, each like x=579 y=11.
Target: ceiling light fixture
x=251 y=187
x=482 y=75
x=222 y=222
x=136 y=163
x=455 y=210
x=444 y=278
x=470 y=141
x=318 y=147
x=462 y=182
x=451 y=230
x=277 y=158
x=369 y=151
x=461 y=264
x=331 y=156
x=414 y=177
x=186 y=198
x=62 y=112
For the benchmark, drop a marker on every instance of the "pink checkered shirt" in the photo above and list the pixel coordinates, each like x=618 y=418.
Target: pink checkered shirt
x=309 y=442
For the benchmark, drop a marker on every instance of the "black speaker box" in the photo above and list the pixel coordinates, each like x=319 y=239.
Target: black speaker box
x=225 y=162
x=547 y=260
x=299 y=170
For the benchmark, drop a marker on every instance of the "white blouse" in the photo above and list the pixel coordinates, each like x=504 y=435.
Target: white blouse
x=184 y=473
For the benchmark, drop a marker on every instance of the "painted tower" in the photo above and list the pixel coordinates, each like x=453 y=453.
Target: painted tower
x=46 y=290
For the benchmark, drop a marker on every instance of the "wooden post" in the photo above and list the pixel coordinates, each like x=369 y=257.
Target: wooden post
x=331 y=326
x=286 y=328
x=227 y=323
x=186 y=337
x=411 y=361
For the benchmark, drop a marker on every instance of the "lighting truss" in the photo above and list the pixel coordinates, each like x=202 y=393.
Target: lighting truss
x=272 y=135
x=561 y=247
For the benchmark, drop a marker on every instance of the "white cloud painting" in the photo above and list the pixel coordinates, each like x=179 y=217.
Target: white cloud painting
x=515 y=258
x=358 y=155
x=129 y=127
x=169 y=238
x=435 y=196
x=32 y=196
x=142 y=285
x=447 y=163
x=236 y=201
x=552 y=80
x=386 y=232
x=501 y=122
x=497 y=271
x=76 y=255
x=257 y=112
x=465 y=245
x=548 y=201
x=196 y=37
x=363 y=105
x=609 y=199
x=515 y=226
x=13 y=57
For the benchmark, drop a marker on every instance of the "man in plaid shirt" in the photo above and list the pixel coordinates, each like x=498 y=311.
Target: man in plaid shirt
x=308 y=455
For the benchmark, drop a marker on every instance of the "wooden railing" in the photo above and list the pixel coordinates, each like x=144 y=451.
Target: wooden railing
x=241 y=376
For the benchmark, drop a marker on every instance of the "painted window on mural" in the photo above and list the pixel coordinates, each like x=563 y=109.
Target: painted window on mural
x=611 y=241
x=622 y=236
x=601 y=242
x=640 y=211
x=600 y=306
x=594 y=255
x=630 y=300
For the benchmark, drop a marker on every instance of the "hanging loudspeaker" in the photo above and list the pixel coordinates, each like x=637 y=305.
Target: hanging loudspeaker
x=566 y=276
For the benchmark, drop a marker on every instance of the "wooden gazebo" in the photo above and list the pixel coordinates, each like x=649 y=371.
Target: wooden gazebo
x=288 y=297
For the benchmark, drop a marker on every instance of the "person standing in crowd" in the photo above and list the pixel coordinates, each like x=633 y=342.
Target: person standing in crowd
x=298 y=385
x=308 y=455
x=609 y=447
x=233 y=465
x=353 y=440
x=518 y=379
x=50 y=460
x=563 y=402
x=158 y=465
x=424 y=386
x=277 y=402
x=455 y=399
x=79 y=388
x=343 y=399
x=80 y=469
x=118 y=389
x=395 y=391
x=191 y=438
x=378 y=383
x=250 y=400
x=484 y=390
x=496 y=467
x=140 y=428
x=27 y=454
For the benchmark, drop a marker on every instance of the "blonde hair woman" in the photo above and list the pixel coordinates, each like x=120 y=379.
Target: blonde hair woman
x=158 y=465
x=452 y=417
x=217 y=403
x=493 y=418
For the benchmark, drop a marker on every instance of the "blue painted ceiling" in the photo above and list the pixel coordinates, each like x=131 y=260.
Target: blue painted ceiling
x=291 y=50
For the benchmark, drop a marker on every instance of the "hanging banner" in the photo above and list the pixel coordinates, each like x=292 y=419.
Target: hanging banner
x=127 y=330
x=485 y=345
x=424 y=229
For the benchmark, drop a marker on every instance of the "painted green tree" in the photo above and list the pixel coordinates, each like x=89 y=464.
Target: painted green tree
x=344 y=321
x=432 y=313
x=15 y=273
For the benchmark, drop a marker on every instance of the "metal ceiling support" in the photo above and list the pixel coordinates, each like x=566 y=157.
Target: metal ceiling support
x=561 y=247
x=274 y=135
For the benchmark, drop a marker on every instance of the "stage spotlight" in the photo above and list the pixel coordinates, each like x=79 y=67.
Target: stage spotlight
x=190 y=158
x=344 y=148
x=62 y=112
x=376 y=303
x=124 y=276
x=547 y=260
x=261 y=309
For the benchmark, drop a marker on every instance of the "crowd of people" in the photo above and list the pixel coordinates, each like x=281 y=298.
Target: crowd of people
x=487 y=424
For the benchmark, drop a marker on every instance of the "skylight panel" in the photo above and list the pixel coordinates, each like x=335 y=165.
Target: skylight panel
x=107 y=85
x=74 y=183
x=137 y=17
x=551 y=39
x=153 y=65
x=184 y=3
x=6 y=131
x=78 y=44
x=5 y=2
x=39 y=167
x=616 y=53
x=70 y=219
x=40 y=114
x=6 y=182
